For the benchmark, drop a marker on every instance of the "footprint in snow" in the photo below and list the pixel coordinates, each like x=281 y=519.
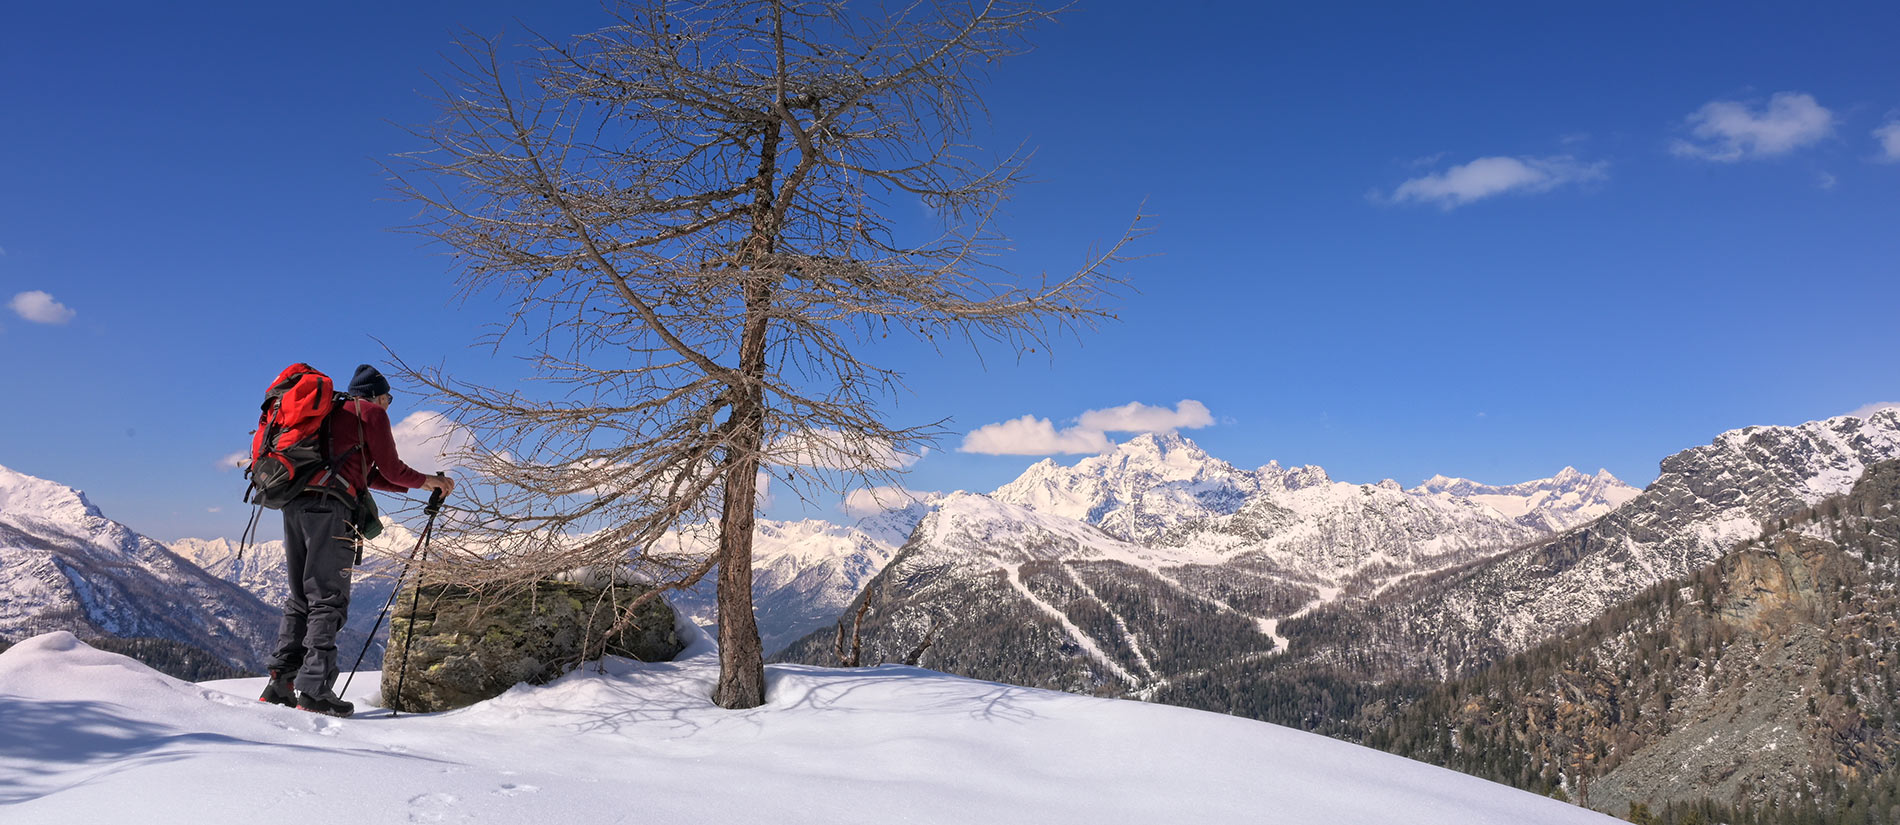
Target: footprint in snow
x=515 y=790
x=429 y=807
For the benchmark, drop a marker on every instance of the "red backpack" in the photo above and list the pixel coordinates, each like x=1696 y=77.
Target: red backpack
x=291 y=445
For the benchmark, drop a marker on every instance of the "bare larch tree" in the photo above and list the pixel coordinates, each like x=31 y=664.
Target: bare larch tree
x=688 y=215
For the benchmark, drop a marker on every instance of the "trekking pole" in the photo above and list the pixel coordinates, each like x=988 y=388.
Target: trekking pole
x=244 y=541
x=402 y=673
x=434 y=506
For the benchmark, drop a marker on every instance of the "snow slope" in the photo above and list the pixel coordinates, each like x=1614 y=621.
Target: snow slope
x=96 y=737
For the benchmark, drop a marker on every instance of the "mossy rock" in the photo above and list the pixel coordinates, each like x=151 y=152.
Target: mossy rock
x=468 y=647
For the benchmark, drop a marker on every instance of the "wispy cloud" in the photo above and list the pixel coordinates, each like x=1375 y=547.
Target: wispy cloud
x=861 y=503
x=1825 y=180
x=1729 y=130
x=1491 y=176
x=835 y=450
x=235 y=460
x=1889 y=136
x=1136 y=417
x=40 y=308
x=1030 y=435
x=1875 y=407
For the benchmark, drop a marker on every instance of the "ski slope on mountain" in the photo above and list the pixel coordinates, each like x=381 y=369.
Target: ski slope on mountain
x=96 y=737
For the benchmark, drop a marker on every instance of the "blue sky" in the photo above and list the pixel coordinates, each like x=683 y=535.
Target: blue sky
x=1392 y=240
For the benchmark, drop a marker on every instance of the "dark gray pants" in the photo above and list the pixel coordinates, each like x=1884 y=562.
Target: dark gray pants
x=319 y=546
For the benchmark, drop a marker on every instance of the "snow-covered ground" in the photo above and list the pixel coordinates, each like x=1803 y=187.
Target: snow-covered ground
x=88 y=736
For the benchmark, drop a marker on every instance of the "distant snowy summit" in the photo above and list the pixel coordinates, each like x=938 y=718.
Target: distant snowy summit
x=25 y=498
x=65 y=566
x=1163 y=489
x=1554 y=504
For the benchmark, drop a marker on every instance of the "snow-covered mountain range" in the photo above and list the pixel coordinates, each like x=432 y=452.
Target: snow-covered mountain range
x=1109 y=567
x=1163 y=490
x=1551 y=505
x=1125 y=557
x=65 y=566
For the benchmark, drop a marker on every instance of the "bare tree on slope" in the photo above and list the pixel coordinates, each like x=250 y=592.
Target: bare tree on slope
x=689 y=214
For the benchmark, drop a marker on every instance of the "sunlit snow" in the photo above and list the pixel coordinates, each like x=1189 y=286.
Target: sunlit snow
x=95 y=737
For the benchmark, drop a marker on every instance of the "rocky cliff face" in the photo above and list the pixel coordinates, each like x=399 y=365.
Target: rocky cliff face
x=1769 y=678
x=1706 y=499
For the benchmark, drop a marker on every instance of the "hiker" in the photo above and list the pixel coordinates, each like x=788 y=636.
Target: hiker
x=323 y=530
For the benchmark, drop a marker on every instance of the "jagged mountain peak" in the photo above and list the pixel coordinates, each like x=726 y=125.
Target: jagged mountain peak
x=22 y=495
x=1560 y=502
x=1164 y=455
x=1820 y=458
x=1295 y=478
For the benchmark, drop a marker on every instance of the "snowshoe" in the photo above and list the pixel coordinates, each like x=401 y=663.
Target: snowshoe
x=326 y=703
x=278 y=690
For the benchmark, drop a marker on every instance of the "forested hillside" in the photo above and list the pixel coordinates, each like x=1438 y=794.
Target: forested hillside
x=1762 y=688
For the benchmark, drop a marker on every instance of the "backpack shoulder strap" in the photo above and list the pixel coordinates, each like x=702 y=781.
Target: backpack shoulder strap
x=362 y=443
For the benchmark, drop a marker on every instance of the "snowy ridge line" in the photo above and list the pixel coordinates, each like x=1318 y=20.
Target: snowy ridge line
x=1134 y=645
x=1082 y=640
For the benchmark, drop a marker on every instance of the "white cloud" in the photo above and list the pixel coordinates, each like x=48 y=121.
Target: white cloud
x=39 y=307
x=428 y=441
x=1030 y=435
x=1486 y=177
x=1825 y=180
x=836 y=450
x=861 y=503
x=214 y=509
x=1889 y=137
x=1728 y=130
x=1875 y=407
x=1136 y=417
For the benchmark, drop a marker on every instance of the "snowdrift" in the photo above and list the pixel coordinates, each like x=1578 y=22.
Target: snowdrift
x=96 y=737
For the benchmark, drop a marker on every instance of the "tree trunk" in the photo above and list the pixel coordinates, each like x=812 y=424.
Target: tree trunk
x=741 y=654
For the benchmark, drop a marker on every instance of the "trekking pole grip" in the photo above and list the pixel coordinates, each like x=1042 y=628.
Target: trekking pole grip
x=435 y=501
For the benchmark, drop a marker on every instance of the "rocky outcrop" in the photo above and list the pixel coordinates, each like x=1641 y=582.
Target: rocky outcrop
x=468 y=646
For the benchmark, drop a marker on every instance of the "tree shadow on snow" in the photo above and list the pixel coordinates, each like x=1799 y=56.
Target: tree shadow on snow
x=51 y=746
x=920 y=691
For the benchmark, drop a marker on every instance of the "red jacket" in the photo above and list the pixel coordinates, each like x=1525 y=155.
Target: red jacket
x=359 y=421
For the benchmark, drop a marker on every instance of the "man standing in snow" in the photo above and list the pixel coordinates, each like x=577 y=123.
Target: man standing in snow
x=321 y=541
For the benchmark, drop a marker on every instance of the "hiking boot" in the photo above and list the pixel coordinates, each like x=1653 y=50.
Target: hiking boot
x=278 y=690
x=325 y=703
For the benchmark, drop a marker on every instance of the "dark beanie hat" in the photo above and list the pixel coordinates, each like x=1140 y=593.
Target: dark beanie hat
x=368 y=383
